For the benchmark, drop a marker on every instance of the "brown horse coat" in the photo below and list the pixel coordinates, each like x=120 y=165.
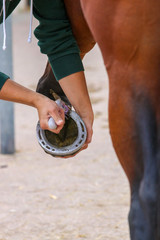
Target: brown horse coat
x=128 y=33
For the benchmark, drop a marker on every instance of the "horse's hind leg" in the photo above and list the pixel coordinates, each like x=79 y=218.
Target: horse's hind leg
x=129 y=38
x=133 y=132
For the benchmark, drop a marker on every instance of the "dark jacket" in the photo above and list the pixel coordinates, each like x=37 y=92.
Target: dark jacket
x=54 y=36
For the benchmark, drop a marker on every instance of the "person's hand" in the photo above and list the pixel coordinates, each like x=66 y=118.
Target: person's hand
x=89 y=126
x=48 y=108
x=87 y=117
x=75 y=88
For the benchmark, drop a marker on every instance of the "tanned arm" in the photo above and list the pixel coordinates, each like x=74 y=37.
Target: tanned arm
x=46 y=108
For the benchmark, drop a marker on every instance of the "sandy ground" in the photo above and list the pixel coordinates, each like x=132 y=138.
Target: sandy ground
x=46 y=198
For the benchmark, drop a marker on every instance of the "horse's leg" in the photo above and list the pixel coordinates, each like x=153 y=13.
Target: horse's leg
x=129 y=38
x=84 y=40
x=47 y=82
x=80 y=28
x=133 y=132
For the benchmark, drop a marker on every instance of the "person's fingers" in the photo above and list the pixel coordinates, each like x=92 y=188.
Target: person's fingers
x=89 y=134
x=89 y=137
x=85 y=146
x=57 y=114
x=59 y=119
x=73 y=155
x=44 y=125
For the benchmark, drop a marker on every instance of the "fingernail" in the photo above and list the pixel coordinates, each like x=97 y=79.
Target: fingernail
x=60 y=121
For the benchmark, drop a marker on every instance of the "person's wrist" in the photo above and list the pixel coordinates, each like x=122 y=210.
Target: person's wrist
x=37 y=100
x=85 y=111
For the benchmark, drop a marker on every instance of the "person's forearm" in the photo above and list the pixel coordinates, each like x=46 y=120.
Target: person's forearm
x=75 y=89
x=46 y=108
x=12 y=91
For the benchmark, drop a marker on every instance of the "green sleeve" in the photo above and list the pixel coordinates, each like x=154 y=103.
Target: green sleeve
x=3 y=79
x=10 y=6
x=56 y=39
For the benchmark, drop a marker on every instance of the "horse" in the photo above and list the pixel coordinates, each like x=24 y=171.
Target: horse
x=128 y=34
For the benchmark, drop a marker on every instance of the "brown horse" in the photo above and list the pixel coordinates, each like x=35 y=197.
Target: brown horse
x=128 y=34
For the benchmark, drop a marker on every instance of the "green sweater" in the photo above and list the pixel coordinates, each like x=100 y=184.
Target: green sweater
x=54 y=35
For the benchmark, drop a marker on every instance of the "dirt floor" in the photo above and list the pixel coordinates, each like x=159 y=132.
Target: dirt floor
x=46 y=198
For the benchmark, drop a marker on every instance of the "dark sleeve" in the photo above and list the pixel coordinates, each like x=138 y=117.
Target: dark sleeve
x=3 y=79
x=9 y=9
x=56 y=39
